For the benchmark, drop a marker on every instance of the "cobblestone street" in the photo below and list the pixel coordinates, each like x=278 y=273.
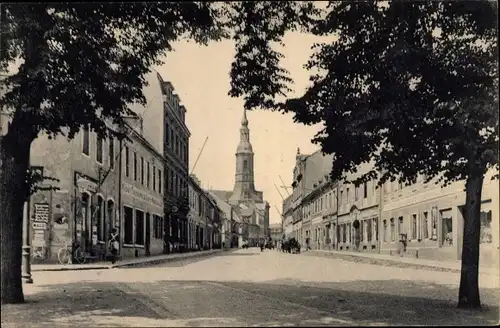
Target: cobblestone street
x=249 y=288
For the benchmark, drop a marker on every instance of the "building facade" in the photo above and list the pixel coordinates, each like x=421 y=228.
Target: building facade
x=430 y=218
x=103 y=184
x=368 y=218
x=286 y=218
x=176 y=154
x=276 y=231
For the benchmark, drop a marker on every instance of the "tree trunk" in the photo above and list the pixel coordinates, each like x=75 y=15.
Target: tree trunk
x=468 y=296
x=14 y=163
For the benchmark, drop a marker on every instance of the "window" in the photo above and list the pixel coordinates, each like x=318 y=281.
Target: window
x=99 y=218
x=111 y=153
x=245 y=164
x=384 y=231
x=139 y=227
x=127 y=162
x=167 y=135
x=148 y=173
x=136 y=175
x=167 y=180
x=400 y=225
x=157 y=227
x=486 y=230
x=369 y=230
x=375 y=228
x=393 y=232
x=365 y=189
x=171 y=181
x=142 y=170
x=356 y=193
x=347 y=196
x=171 y=137
x=110 y=216
x=159 y=182
x=154 y=178
x=99 y=150
x=425 y=225
x=128 y=220
x=86 y=142
x=414 y=226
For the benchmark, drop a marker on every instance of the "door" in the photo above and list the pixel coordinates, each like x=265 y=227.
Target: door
x=148 y=234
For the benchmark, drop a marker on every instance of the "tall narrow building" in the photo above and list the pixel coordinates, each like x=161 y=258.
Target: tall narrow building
x=248 y=202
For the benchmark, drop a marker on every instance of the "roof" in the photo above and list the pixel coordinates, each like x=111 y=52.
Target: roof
x=224 y=206
x=222 y=194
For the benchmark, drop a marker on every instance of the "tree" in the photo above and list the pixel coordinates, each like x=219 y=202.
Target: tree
x=411 y=86
x=83 y=64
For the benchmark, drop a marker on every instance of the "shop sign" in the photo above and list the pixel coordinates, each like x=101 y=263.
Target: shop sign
x=135 y=192
x=40 y=225
x=41 y=212
x=85 y=184
x=38 y=240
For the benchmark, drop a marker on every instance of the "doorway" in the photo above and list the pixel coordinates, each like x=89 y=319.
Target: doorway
x=148 y=235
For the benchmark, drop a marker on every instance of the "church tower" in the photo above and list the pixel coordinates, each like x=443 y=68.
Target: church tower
x=244 y=187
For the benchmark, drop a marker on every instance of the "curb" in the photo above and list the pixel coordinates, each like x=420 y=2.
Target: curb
x=163 y=260
x=385 y=262
x=128 y=265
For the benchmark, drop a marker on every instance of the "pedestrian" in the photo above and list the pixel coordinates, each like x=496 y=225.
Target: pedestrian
x=113 y=245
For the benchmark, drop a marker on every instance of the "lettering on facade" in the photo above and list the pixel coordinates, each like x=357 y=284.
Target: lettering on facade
x=39 y=225
x=85 y=184
x=140 y=194
x=41 y=212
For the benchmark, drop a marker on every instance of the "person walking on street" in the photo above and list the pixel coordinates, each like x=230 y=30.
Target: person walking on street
x=113 y=245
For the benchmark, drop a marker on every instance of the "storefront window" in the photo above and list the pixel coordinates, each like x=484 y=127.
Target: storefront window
x=139 y=227
x=99 y=218
x=128 y=221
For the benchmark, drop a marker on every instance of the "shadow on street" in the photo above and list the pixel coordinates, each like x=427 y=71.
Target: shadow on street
x=220 y=303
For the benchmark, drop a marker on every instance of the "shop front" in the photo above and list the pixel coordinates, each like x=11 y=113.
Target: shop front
x=142 y=224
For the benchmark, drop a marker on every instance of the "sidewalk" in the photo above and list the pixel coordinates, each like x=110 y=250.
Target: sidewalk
x=451 y=266
x=124 y=263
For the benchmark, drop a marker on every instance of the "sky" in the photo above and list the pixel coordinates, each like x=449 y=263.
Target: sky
x=200 y=76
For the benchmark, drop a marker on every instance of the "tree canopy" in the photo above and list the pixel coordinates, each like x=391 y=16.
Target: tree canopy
x=411 y=86
x=84 y=63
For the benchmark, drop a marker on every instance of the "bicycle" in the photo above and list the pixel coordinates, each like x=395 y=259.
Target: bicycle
x=67 y=254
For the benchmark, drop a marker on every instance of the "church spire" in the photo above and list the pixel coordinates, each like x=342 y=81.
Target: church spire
x=244 y=121
x=244 y=188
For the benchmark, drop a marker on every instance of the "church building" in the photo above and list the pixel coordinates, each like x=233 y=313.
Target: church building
x=247 y=202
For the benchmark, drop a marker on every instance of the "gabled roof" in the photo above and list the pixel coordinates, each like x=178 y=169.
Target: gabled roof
x=222 y=194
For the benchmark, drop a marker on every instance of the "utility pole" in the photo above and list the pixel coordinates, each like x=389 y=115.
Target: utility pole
x=279 y=192
x=199 y=154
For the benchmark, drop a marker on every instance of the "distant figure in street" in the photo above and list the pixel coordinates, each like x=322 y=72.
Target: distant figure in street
x=113 y=245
